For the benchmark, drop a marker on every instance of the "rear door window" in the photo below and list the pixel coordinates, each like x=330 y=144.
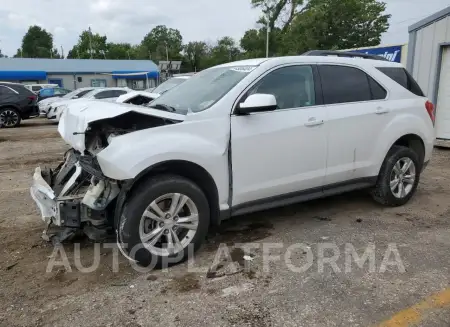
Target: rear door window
x=402 y=77
x=82 y=93
x=118 y=93
x=343 y=84
x=104 y=95
x=6 y=92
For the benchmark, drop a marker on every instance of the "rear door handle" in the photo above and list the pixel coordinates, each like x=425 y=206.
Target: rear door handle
x=313 y=122
x=381 y=110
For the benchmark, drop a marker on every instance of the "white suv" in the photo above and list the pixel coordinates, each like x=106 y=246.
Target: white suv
x=233 y=139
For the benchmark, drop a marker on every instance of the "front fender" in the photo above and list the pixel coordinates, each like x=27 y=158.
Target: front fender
x=204 y=143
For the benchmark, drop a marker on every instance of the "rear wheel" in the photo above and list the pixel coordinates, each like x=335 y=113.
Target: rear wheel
x=398 y=178
x=165 y=220
x=9 y=118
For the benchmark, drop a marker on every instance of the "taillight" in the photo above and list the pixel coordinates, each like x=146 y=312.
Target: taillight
x=31 y=97
x=430 y=109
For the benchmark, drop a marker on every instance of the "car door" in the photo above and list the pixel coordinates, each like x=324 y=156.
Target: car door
x=357 y=112
x=282 y=152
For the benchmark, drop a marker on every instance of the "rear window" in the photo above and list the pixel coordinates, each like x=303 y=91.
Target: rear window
x=402 y=77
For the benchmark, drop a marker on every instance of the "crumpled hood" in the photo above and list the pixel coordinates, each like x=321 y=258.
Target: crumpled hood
x=130 y=95
x=78 y=115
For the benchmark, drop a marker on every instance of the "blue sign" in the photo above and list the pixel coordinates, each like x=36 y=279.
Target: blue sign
x=393 y=53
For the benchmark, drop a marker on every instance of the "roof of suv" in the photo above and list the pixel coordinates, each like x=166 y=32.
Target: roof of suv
x=313 y=59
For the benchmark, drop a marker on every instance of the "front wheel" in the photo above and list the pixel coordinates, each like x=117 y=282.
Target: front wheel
x=165 y=219
x=398 y=178
x=9 y=118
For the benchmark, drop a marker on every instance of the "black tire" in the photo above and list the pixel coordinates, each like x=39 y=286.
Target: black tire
x=9 y=111
x=382 y=192
x=141 y=198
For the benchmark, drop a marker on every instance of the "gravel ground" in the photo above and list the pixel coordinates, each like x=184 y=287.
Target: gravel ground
x=253 y=292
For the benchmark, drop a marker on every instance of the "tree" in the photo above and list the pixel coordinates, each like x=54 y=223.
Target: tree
x=163 y=42
x=119 y=51
x=278 y=11
x=224 y=51
x=89 y=46
x=337 y=24
x=37 y=43
x=254 y=42
x=195 y=53
x=2 y=55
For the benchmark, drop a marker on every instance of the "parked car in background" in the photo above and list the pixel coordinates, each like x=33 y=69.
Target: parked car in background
x=16 y=104
x=169 y=84
x=52 y=92
x=144 y=97
x=108 y=94
x=35 y=88
x=237 y=138
x=45 y=104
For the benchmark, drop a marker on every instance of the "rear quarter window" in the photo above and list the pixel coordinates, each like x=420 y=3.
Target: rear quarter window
x=402 y=77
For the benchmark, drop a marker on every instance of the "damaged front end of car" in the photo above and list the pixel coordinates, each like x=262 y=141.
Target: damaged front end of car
x=76 y=197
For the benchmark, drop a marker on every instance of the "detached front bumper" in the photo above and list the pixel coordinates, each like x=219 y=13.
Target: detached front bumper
x=75 y=195
x=44 y=196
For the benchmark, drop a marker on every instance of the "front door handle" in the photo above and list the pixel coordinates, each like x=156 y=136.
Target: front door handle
x=381 y=111
x=313 y=122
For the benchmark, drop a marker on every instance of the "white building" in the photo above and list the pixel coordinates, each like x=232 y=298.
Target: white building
x=75 y=73
x=429 y=63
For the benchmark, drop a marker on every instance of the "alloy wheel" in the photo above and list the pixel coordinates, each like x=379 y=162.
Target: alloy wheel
x=403 y=176
x=9 y=118
x=168 y=224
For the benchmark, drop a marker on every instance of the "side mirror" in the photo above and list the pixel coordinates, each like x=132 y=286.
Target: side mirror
x=257 y=103
x=75 y=97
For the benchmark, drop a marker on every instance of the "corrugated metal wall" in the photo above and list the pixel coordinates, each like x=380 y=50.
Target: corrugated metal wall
x=426 y=53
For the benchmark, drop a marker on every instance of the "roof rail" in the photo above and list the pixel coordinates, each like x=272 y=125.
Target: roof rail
x=343 y=54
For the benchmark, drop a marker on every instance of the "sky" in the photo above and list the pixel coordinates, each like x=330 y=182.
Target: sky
x=130 y=20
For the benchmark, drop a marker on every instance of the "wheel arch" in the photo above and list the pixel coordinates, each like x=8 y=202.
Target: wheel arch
x=414 y=142
x=409 y=140
x=187 y=169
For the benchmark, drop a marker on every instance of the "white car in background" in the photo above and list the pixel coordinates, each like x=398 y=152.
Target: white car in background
x=108 y=94
x=44 y=105
x=144 y=97
x=37 y=87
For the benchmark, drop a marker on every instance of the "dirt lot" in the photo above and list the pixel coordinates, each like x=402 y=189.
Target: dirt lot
x=262 y=295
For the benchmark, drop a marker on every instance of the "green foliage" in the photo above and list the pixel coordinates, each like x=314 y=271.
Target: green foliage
x=321 y=28
x=195 y=54
x=37 y=43
x=89 y=45
x=162 y=42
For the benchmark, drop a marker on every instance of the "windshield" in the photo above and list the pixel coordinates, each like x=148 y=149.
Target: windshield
x=204 y=89
x=169 y=84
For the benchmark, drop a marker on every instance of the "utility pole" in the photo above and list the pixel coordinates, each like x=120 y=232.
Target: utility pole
x=167 y=51
x=267 y=37
x=90 y=41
